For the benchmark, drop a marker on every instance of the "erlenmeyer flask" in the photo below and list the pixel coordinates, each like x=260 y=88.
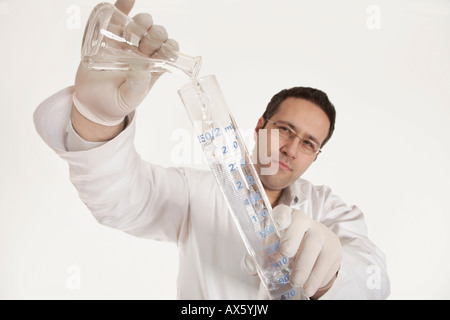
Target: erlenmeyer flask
x=111 y=42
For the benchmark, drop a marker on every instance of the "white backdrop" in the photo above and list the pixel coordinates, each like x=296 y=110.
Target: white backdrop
x=384 y=64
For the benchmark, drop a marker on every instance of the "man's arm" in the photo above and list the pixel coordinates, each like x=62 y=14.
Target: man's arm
x=120 y=189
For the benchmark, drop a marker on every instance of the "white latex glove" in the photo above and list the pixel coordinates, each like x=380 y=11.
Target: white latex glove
x=317 y=251
x=106 y=97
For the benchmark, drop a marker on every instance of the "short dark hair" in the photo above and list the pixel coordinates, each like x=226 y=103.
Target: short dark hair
x=315 y=96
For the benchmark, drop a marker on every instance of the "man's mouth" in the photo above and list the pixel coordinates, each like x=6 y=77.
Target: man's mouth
x=283 y=165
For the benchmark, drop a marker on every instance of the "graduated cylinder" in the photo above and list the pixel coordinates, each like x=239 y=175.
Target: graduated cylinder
x=239 y=182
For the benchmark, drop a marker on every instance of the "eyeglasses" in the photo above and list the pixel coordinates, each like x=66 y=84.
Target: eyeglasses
x=284 y=132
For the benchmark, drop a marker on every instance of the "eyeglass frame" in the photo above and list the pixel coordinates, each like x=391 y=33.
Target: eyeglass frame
x=292 y=136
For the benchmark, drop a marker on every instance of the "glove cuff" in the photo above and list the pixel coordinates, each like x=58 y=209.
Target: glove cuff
x=86 y=112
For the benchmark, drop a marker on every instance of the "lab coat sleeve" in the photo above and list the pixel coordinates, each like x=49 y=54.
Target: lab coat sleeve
x=363 y=273
x=120 y=189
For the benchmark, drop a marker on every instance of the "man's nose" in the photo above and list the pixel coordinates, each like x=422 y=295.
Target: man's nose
x=290 y=147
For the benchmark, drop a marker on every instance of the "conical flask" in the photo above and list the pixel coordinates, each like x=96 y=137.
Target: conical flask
x=111 y=42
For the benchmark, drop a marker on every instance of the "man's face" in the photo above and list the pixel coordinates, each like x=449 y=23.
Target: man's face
x=283 y=158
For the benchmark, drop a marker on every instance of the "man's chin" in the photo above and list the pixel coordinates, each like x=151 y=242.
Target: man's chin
x=275 y=182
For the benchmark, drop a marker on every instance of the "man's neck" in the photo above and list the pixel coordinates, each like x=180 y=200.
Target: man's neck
x=274 y=196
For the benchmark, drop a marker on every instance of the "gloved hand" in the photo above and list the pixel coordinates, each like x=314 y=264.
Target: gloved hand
x=317 y=251
x=106 y=97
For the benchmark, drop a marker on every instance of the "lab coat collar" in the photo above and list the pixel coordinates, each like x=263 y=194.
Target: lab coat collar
x=293 y=195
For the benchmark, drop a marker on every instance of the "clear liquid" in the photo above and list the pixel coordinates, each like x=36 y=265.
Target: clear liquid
x=111 y=42
x=206 y=105
x=121 y=55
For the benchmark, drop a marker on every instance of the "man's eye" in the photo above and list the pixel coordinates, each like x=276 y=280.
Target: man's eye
x=309 y=144
x=284 y=129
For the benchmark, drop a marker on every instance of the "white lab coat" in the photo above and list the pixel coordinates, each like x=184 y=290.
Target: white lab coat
x=185 y=206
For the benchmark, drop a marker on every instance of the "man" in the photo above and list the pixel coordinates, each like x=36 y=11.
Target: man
x=92 y=126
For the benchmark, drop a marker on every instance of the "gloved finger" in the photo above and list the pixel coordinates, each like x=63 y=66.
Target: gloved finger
x=135 y=88
x=169 y=51
x=327 y=264
x=153 y=40
x=329 y=275
x=124 y=5
x=143 y=20
x=307 y=256
x=248 y=265
x=318 y=276
x=282 y=214
x=293 y=235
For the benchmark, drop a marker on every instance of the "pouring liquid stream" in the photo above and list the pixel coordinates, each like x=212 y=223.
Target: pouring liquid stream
x=206 y=105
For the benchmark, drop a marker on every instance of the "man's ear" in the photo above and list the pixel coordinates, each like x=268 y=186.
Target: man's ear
x=260 y=124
